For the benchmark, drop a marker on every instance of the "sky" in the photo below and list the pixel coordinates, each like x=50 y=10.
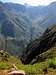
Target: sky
x=31 y=2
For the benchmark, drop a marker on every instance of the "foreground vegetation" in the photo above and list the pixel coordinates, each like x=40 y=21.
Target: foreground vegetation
x=47 y=65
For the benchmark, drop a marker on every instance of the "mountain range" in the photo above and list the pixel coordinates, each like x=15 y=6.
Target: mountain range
x=29 y=23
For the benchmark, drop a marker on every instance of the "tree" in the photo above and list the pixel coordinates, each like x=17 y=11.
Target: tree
x=7 y=29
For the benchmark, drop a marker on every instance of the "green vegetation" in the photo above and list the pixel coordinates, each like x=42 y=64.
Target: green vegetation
x=36 y=68
x=52 y=62
x=5 y=65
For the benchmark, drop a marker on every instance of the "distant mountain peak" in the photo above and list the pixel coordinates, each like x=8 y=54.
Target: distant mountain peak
x=53 y=3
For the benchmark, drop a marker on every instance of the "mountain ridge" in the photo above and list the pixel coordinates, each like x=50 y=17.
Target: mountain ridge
x=39 y=46
x=28 y=24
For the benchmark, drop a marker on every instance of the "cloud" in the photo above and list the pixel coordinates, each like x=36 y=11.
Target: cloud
x=38 y=2
x=31 y=2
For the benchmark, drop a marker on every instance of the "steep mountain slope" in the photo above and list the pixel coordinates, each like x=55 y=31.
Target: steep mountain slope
x=43 y=16
x=45 y=42
x=21 y=25
x=28 y=25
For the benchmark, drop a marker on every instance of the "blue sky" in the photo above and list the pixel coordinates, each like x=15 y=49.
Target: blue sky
x=31 y=2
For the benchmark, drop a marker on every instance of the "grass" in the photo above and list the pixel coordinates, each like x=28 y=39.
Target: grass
x=7 y=64
x=36 y=68
x=4 y=65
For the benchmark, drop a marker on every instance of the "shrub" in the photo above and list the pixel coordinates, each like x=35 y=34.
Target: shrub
x=52 y=62
x=4 y=65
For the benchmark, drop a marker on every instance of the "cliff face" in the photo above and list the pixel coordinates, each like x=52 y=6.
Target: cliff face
x=45 y=42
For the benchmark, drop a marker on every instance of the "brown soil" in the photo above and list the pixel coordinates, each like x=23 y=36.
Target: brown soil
x=3 y=72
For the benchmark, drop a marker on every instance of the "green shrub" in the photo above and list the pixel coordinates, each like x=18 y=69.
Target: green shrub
x=4 y=65
x=52 y=62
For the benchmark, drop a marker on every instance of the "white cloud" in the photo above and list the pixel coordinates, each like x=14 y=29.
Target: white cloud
x=31 y=2
x=38 y=2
